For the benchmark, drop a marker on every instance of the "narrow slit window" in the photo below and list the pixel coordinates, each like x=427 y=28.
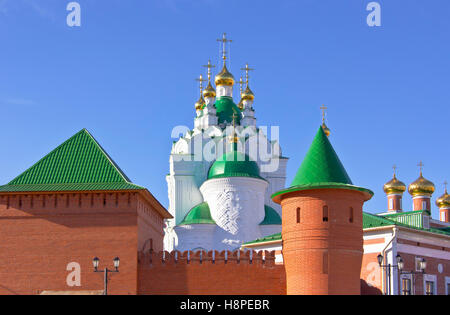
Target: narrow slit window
x=298 y=215
x=325 y=263
x=351 y=215
x=325 y=213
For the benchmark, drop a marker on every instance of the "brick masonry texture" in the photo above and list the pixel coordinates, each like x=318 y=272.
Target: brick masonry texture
x=211 y=272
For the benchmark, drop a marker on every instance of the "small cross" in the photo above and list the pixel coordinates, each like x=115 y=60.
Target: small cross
x=241 y=82
x=420 y=165
x=209 y=66
x=224 y=41
x=445 y=186
x=323 y=108
x=247 y=69
x=394 y=167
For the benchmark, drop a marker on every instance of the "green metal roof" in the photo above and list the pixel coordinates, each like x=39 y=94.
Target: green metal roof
x=79 y=164
x=271 y=216
x=321 y=164
x=321 y=169
x=270 y=238
x=234 y=164
x=371 y=221
x=413 y=218
x=225 y=109
x=200 y=214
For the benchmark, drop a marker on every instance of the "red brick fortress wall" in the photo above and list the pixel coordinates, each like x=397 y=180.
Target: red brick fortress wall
x=211 y=272
x=43 y=233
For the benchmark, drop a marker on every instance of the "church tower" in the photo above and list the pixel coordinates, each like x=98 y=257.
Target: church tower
x=322 y=225
x=421 y=190
x=443 y=203
x=394 y=190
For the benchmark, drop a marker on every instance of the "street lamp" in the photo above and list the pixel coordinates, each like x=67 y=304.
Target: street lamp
x=95 y=263
x=400 y=264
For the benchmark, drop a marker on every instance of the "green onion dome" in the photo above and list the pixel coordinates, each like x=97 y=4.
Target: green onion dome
x=225 y=109
x=200 y=214
x=272 y=217
x=234 y=164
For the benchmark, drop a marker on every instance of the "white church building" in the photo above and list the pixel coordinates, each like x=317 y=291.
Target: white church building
x=223 y=172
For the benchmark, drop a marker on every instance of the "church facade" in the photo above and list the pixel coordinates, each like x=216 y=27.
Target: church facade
x=223 y=172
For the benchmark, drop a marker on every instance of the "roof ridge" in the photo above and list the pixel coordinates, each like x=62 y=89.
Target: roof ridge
x=78 y=160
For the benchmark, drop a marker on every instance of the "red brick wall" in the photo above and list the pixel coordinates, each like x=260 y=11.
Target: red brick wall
x=371 y=274
x=322 y=257
x=432 y=269
x=202 y=276
x=42 y=233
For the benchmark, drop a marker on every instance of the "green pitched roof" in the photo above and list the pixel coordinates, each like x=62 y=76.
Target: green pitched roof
x=226 y=108
x=321 y=169
x=371 y=220
x=79 y=164
x=200 y=214
x=271 y=216
x=321 y=164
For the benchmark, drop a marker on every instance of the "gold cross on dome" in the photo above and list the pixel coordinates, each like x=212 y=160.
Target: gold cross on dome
x=209 y=66
x=445 y=186
x=420 y=165
x=241 y=82
x=247 y=69
x=200 y=80
x=323 y=108
x=224 y=41
x=394 y=167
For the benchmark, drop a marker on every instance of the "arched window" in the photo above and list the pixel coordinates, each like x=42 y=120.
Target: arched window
x=325 y=213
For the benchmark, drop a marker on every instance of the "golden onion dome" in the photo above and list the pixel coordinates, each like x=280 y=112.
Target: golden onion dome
x=394 y=186
x=241 y=105
x=224 y=77
x=326 y=130
x=421 y=187
x=248 y=95
x=443 y=201
x=209 y=91
x=200 y=104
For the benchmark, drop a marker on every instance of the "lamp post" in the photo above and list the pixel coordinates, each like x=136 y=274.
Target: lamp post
x=106 y=271
x=399 y=266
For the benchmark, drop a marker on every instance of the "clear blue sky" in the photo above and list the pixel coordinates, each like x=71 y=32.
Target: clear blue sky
x=127 y=75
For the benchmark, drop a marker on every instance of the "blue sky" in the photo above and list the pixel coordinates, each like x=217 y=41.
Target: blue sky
x=127 y=75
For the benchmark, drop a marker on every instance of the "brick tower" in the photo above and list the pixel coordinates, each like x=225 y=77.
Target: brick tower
x=394 y=190
x=322 y=225
x=443 y=203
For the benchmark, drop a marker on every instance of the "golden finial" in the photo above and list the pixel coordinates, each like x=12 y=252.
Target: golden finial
x=233 y=138
x=209 y=66
x=420 y=165
x=324 y=126
x=323 y=108
x=224 y=41
x=241 y=82
x=394 y=167
x=201 y=102
x=247 y=69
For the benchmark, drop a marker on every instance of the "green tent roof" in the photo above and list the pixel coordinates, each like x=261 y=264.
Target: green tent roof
x=321 y=169
x=79 y=164
x=234 y=164
x=271 y=216
x=225 y=109
x=200 y=214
